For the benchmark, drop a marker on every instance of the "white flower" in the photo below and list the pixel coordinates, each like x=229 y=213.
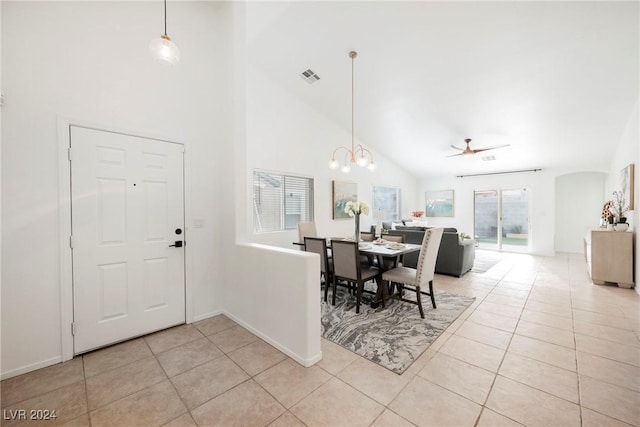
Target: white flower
x=356 y=208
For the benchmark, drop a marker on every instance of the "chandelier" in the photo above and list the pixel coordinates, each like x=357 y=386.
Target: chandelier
x=162 y=49
x=357 y=153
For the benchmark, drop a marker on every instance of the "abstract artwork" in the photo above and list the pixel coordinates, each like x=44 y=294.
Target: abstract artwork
x=626 y=185
x=343 y=192
x=439 y=203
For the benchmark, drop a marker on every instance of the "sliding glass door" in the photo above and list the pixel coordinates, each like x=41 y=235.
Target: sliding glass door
x=501 y=219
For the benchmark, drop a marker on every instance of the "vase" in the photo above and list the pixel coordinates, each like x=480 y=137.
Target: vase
x=357 y=220
x=621 y=226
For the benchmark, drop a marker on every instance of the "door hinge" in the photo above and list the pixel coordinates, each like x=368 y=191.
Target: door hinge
x=73 y=329
x=69 y=153
x=71 y=242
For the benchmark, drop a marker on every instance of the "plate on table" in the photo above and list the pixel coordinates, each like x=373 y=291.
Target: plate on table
x=395 y=245
x=364 y=245
x=380 y=242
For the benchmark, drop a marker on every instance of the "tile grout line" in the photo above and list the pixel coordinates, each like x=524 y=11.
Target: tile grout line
x=495 y=377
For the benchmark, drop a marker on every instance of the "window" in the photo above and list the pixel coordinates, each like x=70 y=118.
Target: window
x=281 y=201
x=386 y=203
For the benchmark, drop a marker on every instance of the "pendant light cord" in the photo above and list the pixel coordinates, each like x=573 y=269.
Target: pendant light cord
x=165 y=17
x=353 y=56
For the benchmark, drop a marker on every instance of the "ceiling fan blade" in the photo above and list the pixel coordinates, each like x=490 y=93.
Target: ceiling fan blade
x=457 y=148
x=453 y=155
x=490 y=148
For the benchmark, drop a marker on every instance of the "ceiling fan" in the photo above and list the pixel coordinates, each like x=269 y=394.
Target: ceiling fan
x=469 y=152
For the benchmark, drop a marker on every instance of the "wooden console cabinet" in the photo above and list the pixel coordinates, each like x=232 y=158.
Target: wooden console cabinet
x=609 y=256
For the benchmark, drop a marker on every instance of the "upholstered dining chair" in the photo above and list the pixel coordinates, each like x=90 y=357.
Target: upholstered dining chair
x=421 y=276
x=399 y=238
x=306 y=229
x=347 y=267
x=367 y=236
x=393 y=262
x=367 y=260
x=319 y=246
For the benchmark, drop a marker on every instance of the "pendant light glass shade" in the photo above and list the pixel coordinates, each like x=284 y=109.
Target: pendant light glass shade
x=164 y=51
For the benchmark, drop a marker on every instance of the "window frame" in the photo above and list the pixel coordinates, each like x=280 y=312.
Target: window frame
x=305 y=198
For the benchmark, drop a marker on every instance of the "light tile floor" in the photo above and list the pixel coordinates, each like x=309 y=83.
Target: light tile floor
x=541 y=346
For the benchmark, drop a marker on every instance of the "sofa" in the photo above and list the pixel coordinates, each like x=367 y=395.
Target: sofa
x=455 y=256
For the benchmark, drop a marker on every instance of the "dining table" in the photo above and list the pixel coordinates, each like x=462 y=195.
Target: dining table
x=382 y=250
x=385 y=251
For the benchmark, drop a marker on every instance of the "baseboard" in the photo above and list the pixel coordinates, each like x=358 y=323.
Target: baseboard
x=29 y=368
x=304 y=362
x=207 y=315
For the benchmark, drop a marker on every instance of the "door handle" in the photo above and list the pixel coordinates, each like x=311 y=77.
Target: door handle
x=178 y=244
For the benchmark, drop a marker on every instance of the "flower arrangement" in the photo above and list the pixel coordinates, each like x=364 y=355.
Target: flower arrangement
x=417 y=214
x=356 y=208
x=618 y=206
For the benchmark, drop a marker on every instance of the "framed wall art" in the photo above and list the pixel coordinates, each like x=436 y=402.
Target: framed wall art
x=386 y=203
x=342 y=193
x=627 y=186
x=439 y=203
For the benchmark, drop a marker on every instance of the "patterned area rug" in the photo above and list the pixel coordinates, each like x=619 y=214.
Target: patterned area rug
x=395 y=336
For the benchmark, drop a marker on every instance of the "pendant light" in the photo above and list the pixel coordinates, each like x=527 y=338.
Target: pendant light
x=357 y=153
x=162 y=49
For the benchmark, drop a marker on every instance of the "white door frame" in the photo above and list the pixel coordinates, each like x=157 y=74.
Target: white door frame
x=64 y=212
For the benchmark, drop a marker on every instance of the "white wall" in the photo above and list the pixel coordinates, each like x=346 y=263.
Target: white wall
x=286 y=135
x=628 y=151
x=276 y=295
x=541 y=202
x=1 y=91
x=271 y=291
x=89 y=61
x=578 y=201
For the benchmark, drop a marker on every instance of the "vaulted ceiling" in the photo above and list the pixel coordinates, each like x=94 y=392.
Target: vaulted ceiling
x=558 y=81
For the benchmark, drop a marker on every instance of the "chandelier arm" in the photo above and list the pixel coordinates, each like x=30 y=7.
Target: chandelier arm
x=333 y=155
x=362 y=150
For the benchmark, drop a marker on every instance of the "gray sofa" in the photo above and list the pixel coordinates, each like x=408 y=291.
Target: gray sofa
x=455 y=257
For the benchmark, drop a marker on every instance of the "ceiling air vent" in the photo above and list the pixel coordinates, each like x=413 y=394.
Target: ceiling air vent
x=488 y=158
x=309 y=76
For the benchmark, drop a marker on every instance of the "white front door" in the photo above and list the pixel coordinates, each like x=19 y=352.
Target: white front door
x=127 y=210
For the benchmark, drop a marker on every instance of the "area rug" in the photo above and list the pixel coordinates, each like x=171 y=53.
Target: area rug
x=394 y=336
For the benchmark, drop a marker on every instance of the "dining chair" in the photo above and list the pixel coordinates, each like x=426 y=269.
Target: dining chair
x=306 y=229
x=422 y=275
x=367 y=260
x=394 y=238
x=347 y=267
x=392 y=263
x=318 y=245
x=367 y=236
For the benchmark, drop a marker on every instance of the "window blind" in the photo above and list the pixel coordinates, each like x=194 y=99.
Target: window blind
x=281 y=201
